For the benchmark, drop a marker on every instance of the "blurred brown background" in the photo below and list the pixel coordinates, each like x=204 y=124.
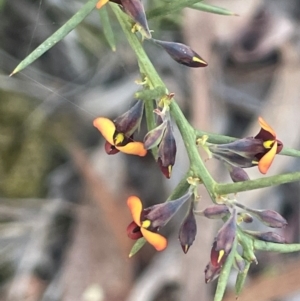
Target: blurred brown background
x=62 y=208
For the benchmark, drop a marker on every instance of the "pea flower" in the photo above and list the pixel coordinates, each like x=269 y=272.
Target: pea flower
x=147 y=222
x=118 y=133
x=182 y=54
x=251 y=151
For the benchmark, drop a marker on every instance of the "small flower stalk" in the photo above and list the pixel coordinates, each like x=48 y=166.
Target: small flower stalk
x=119 y=133
x=182 y=54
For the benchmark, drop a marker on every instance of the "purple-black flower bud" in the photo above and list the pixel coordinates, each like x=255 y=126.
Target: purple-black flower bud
x=237 y=174
x=216 y=211
x=154 y=137
x=270 y=218
x=226 y=235
x=167 y=151
x=267 y=236
x=130 y=121
x=188 y=230
x=135 y=10
x=182 y=54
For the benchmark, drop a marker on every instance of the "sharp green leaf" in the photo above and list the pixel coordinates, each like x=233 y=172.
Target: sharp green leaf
x=137 y=246
x=57 y=36
x=212 y=9
x=107 y=29
x=170 y=8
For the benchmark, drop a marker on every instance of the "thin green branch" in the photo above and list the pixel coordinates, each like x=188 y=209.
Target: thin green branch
x=227 y=188
x=273 y=247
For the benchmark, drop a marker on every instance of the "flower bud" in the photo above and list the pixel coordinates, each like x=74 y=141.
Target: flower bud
x=130 y=121
x=270 y=218
x=237 y=174
x=135 y=10
x=216 y=211
x=267 y=236
x=226 y=235
x=154 y=137
x=182 y=54
x=167 y=151
x=188 y=230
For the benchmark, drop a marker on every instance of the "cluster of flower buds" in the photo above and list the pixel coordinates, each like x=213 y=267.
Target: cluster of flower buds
x=179 y=52
x=225 y=237
x=247 y=152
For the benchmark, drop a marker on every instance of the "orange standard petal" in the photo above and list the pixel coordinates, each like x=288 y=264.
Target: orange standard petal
x=156 y=240
x=135 y=207
x=101 y=3
x=266 y=161
x=266 y=127
x=133 y=148
x=106 y=127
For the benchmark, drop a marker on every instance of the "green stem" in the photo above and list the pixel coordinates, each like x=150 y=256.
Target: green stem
x=273 y=247
x=197 y=166
x=221 y=189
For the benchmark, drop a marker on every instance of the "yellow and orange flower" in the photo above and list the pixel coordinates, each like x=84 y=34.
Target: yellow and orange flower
x=251 y=151
x=143 y=226
x=271 y=144
x=117 y=139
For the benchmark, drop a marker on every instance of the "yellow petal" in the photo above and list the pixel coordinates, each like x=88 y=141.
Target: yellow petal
x=106 y=127
x=133 y=148
x=135 y=207
x=100 y=3
x=266 y=127
x=266 y=161
x=156 y=240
